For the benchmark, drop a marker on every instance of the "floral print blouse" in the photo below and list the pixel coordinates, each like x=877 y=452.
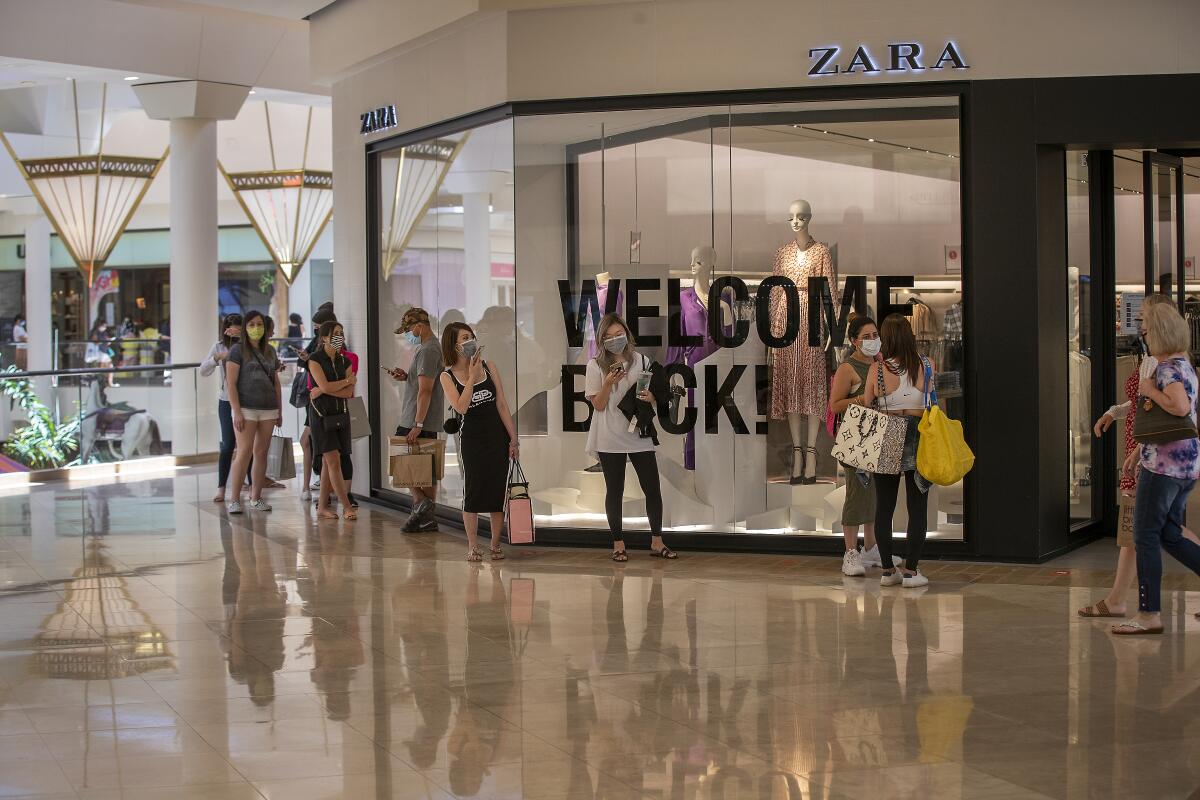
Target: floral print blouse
x=1179 y=459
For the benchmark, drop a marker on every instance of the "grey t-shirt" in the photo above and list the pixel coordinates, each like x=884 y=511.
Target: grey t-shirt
x=427 y=362
x=256 y=378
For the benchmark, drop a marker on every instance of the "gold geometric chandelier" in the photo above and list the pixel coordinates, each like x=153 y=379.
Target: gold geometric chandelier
x=89 y=199
x=411 y=181
x=289 y=208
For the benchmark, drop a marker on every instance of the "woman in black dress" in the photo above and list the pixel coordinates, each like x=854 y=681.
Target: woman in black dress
x=335 y=379
x=488 y=438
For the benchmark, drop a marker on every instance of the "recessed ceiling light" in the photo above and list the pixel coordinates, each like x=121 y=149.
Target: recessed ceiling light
x=870 y=140
x=252 y=91
x=132 y=78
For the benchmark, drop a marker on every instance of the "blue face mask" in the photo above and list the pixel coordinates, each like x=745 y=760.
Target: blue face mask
x=411 y=338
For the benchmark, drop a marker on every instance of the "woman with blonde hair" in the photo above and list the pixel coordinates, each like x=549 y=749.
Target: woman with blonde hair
x=1113 y=604
x=617 y=369
x=1168 y=469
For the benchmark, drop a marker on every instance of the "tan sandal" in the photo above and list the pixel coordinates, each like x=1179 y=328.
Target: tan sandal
x=326 y=514
x=497 y=554
x=474 y=556
x=1100 y=609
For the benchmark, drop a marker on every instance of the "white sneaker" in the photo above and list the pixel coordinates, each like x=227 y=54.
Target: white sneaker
x=234 y=507
x=306 y=495
x=259 y=505
x=851 y=565
x=316 y=484
x=895 y=579
x=870 y=558
x=915 y=580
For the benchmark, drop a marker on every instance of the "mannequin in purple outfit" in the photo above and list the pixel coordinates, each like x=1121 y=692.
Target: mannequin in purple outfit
x=693 y=305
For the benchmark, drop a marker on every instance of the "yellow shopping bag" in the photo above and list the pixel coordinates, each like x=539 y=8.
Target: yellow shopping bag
x=942 y=456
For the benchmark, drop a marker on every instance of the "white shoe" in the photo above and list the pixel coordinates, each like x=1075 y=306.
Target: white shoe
x=895 y=579
x=851 y=565
x=915 y=580
x=234 y=507
x=306 y=495
x=316 y=484
x=870 y=558
x=259 y=505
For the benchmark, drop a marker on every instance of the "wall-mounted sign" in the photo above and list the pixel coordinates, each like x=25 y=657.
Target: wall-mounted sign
x=379 y=119
x=901 y=57
x=953 y=259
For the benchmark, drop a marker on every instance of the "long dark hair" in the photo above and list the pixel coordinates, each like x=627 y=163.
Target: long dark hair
x=227 y=323
x=246 y=343
x=605 y=359
x=899 y=346
x=450 y=342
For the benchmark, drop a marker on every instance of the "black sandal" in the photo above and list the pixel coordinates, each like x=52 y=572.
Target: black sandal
x=665 y=552
x=620 y=556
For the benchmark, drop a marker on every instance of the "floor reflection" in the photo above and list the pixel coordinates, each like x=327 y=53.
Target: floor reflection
x=151 y=645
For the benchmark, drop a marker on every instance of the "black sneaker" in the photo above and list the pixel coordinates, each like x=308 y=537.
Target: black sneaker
x=597 y=467
x=426 y=525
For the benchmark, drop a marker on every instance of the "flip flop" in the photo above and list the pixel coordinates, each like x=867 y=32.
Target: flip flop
x=1135 y=629
x=665 y=552
x=1100 y=609
x=620 y=556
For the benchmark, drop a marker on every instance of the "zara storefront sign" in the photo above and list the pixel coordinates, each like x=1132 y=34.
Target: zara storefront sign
x=379 y=119
x=901 y=57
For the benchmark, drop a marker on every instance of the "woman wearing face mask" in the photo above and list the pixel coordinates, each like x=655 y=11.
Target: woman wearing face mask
x=849 y=384
x=346 y=455
x=610 y=375
x=906 y=378
x=252 y=381
x=336 y=380
x=231 y=331
x=488 y=437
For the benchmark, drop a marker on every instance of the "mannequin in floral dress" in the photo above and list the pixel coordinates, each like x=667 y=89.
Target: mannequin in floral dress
x=799 y=378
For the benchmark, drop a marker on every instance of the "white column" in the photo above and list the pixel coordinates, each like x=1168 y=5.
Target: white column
x=477 y=254
x=193 y=176
x=37 y=302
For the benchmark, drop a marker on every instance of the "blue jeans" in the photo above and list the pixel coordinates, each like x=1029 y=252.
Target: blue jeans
x=1158 y=525
x=228 y=442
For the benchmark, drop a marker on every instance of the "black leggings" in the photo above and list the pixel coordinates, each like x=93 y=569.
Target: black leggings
x=887 y=487
x=646 y=467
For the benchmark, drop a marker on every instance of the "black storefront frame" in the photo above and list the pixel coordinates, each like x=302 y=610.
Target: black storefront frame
x=1013 y=135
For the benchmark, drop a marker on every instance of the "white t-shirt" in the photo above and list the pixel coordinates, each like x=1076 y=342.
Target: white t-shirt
x=610 y=432
x=20 y=336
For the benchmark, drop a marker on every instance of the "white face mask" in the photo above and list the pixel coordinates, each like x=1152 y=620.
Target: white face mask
x=870 y=347
x=616 y=344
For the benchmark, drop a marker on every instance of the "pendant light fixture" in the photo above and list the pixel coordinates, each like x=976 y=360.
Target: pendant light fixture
x=289 y=208
x=89 y=199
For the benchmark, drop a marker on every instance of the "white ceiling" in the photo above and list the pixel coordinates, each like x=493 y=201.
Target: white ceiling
x=287 y=9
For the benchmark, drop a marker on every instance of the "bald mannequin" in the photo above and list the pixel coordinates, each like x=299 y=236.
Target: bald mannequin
x=799 y=215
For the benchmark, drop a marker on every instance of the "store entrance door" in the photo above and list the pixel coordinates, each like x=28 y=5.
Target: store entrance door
x=1163 y=232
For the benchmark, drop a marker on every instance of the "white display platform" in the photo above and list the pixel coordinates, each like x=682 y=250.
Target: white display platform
x=731 y=469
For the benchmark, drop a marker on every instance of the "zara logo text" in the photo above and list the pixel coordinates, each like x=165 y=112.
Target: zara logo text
x=902 y=57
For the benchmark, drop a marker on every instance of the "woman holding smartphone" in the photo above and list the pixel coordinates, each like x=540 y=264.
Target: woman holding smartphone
x=610 y=375
x=488 y=437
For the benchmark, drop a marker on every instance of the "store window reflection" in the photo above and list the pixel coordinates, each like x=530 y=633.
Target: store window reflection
x=1080 y=338
x=446 y=238
x=664 y=205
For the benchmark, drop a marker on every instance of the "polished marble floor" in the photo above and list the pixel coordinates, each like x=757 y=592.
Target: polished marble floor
x=152 y=647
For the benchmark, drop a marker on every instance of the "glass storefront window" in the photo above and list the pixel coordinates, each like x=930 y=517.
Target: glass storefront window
x=645 y=212
x=446 y=212
x=1080 y=339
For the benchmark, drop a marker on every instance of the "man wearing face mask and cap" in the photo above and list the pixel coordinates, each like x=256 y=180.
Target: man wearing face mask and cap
x=422 y=404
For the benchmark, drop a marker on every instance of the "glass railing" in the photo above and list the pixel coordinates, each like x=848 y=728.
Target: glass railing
x=66 y=418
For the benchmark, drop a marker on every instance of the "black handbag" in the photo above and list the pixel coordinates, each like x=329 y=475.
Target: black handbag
x=1153 y=424
x=299 y=396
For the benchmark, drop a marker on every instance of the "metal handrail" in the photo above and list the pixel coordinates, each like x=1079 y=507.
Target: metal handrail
x=50 y=373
